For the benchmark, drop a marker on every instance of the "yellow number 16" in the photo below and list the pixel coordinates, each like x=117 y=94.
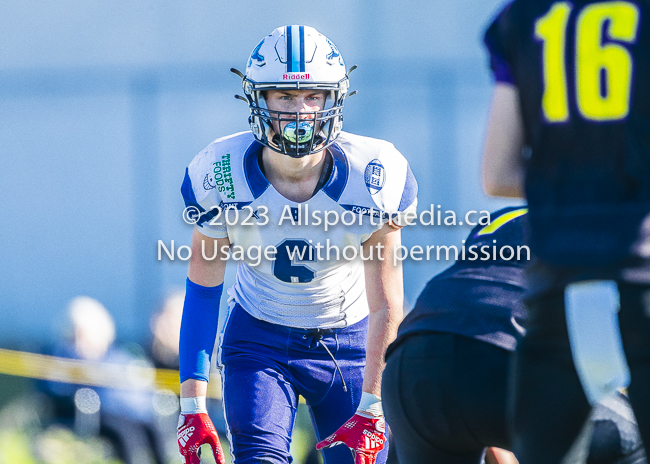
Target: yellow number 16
x=603 y=71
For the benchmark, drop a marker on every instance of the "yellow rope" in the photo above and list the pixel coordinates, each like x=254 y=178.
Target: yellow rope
x=97 y=374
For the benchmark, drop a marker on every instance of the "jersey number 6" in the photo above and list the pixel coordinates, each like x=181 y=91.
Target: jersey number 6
x=289 y=253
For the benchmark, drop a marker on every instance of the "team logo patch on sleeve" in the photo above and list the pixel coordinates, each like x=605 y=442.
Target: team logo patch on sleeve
x=375 y=176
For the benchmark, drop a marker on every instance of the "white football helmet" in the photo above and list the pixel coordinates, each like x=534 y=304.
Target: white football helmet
x=295 y=58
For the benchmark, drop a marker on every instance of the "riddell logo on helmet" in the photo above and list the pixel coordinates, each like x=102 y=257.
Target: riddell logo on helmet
x=286 y=77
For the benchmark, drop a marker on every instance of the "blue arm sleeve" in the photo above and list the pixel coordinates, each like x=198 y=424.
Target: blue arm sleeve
x=198 y=330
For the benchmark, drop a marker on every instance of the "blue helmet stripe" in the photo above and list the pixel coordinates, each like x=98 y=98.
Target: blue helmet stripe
x=295 y=49
x=302 y=48
x=289 y=39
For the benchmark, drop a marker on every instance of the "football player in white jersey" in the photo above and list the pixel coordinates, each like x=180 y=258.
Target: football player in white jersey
x=312 y=217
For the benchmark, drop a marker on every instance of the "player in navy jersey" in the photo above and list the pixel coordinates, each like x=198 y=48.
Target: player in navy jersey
x=445 y=386
x=569 y=129
x=312 y=216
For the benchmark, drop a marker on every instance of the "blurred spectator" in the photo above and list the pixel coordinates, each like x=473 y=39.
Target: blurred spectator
x=91 y=328
x=166 y=327
x=125 y=416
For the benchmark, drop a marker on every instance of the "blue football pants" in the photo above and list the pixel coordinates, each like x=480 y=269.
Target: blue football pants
x=265 y=367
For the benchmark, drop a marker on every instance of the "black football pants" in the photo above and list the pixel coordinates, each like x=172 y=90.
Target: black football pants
x=550 y=407
x=444 y=397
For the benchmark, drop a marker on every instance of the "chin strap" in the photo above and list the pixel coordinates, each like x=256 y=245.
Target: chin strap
x=289 y=149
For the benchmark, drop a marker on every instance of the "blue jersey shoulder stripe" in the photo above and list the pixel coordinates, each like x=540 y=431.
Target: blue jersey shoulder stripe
x=190 y=200
x=257 y=183
x=410 y=191
x=340 y=172
x=188 y=192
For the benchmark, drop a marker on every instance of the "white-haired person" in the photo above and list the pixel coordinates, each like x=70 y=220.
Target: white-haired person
x=124 y=415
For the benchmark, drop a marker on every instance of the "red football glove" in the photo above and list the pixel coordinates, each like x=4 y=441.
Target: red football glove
x=195 y=430
x=363 y=435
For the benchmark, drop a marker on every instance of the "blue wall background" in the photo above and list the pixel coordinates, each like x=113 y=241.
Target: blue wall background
x=103 y=104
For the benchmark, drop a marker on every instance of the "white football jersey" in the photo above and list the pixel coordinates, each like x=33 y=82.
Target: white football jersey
x=292 y=269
